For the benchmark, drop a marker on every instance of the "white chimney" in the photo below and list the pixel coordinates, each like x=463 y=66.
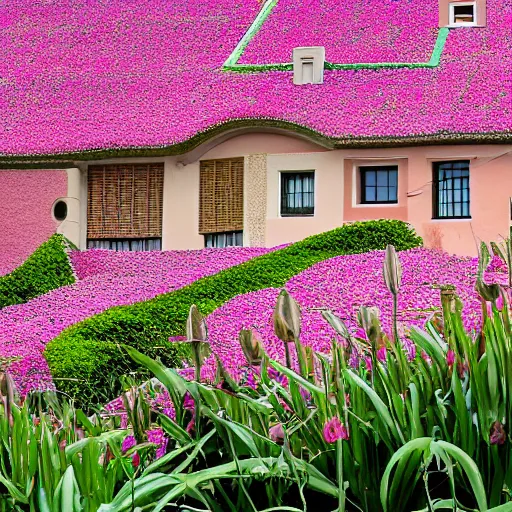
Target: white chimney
x=308 y=65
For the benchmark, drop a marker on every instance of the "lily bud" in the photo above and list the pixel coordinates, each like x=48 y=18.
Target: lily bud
x=251 y=346
x=488 y=292
x=337 y=324
x=196 y=326
x=392 y=270
x=369 y=320
x=286 y=318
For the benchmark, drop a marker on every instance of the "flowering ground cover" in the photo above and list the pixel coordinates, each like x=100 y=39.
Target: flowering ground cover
x=106 y=279
x=351 y=31
x=343 y=284
x=148 y=74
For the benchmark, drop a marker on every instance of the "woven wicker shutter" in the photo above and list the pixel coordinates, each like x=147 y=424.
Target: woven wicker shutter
x=221 y=195
x=125 y=201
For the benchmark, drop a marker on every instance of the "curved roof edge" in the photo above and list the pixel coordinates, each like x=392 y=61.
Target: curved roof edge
x=204 y=141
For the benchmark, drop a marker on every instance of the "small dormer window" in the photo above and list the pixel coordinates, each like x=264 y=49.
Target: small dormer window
x=463 y=14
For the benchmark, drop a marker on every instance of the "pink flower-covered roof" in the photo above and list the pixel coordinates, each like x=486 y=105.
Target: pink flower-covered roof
x=124 y=74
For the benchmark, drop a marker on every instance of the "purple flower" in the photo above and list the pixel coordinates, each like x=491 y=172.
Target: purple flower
x=128 y=442
x=158 y=437
x=498 y=435
x=278 y=377
x=188 y=402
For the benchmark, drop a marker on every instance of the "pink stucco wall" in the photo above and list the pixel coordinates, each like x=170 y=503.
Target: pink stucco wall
x=26 y=199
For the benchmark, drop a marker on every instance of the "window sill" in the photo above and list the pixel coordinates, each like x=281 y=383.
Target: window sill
x=456 y=219
x=464 y=25
x=376 y=205
x=288 y=215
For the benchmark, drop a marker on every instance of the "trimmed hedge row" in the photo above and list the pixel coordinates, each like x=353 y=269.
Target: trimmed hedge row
x=89 y=353
x=46 y=269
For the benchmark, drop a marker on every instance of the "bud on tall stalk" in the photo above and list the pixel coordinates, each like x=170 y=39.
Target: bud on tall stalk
x=252 y=346
x=287 y=319
x=369 y=320
x=197 y=336
x=393 y=279
x=8 y=395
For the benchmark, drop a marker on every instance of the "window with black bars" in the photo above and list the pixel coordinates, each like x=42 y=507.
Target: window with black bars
x=379 y=184
x=451 y=190
x=229 y=239
x=128 y=244
x=297 y=193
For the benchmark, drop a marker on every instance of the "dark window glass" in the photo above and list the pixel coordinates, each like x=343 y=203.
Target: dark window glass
x=451 y=190
x=297 y=193
x=128 y=244
x=379 y=184
x=464 y=13
x=60 y=210
x=219 y=240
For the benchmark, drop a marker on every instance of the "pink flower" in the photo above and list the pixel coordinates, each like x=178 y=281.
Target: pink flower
x=499 y=303
x=334 y=430
x=382 y=354
x=368 y=363
x=450 y=358
x=135 y=460
x=276 y=433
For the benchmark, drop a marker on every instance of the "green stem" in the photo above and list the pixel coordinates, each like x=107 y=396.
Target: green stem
x=395 y=314
x=287 y=353
x=339 y=471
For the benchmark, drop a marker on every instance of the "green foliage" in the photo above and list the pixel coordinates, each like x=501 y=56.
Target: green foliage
x=44 y=270
x=434 y=435
x=53 y=458
x=86 y=357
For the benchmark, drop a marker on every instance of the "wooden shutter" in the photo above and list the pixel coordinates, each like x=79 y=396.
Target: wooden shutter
x=221 y=195
x=125 y=201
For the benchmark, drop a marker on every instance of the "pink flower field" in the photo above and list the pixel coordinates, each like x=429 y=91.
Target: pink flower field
x=351 y=31
x=343 y=284
x=149 y=73
x=105 y=279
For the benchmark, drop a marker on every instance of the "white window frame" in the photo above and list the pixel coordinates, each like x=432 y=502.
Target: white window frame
x=451 y=19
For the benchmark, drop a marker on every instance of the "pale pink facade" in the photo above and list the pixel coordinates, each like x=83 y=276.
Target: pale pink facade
x=26 y=199
x=28 y=195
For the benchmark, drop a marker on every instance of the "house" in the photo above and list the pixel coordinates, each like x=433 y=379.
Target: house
x=158 y=124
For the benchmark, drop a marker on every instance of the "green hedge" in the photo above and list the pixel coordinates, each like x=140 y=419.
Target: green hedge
x=44 y=270
x=89 y=352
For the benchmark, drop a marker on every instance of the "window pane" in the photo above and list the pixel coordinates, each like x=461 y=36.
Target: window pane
x=382 y=179
x=370 y=194
x=392 y=194
x=382 y=193
x=370 y=178
x=393 y=178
